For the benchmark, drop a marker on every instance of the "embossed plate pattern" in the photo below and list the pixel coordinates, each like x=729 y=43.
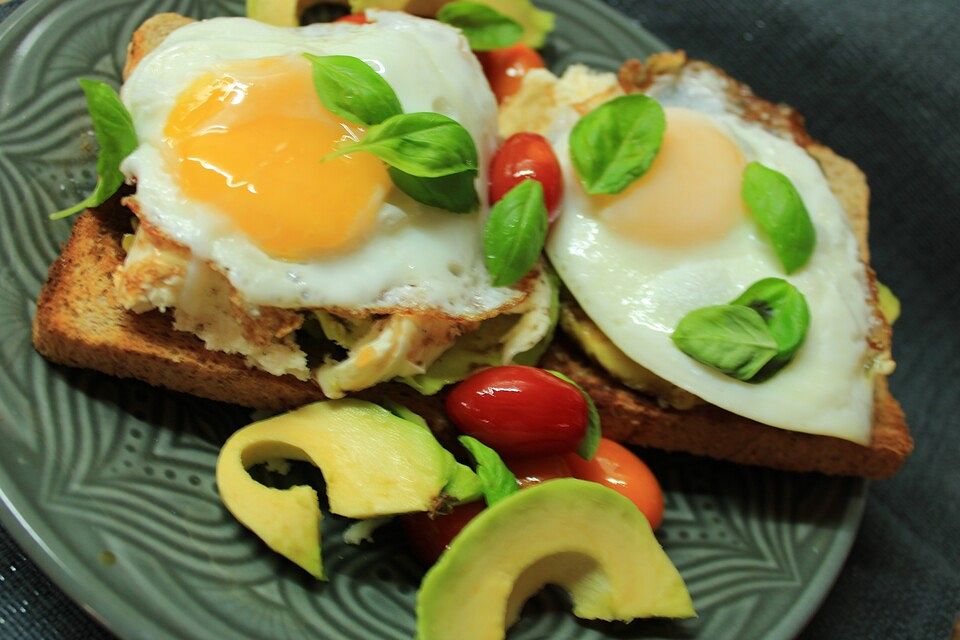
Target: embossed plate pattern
x=109 y=484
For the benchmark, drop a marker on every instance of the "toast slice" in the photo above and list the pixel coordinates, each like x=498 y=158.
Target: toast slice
x=708 y=430
x=80 y=322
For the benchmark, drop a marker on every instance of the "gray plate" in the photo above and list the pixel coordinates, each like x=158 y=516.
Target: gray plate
x=109 y=484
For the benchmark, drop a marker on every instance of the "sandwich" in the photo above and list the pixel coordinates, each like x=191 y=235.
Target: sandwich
x=149 y=287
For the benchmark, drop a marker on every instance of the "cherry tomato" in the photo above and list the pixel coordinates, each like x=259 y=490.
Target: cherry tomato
x=519 y=411
x=526 y=156
x=355 y=18
x=430 y=537
x=620 y=469
x=532 y=471
x=505 y=68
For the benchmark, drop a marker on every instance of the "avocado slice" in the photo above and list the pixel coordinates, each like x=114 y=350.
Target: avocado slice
x=601 y=350
x=582 y=536
x=280 y=13
x=374 y=463
x=536 y=23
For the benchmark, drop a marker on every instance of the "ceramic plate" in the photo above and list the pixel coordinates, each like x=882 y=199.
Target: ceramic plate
x=109 y=486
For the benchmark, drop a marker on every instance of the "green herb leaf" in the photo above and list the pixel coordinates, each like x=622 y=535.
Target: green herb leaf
x=496 y=480
x=113 y=127
x=426 y=145
x=484 y=27
x=351 y=89
x=456 y=192
x=591 y=440
x=777 y=207
x=784 y=310
x=464 y=485
x=731 y=338
x=515 y=232
x=616 y=143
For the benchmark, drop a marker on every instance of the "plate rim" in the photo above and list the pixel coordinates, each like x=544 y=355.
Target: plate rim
x=53 y=554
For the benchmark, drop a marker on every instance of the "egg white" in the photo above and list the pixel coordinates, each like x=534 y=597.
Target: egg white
x=638 y=293
x=418 y=257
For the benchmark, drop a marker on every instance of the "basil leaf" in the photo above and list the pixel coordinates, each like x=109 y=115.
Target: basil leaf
x=426 y=145
x=113 y=128
x=514 y=234
x=616 y=143
x=455 y=192
x=496 y=480
x=484 y=27
x=777 y=207
x=591 y=440
x=351 y=89
x=783 y=309
x=730 y=338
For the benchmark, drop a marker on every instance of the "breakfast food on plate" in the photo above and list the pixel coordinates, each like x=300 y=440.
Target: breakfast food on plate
x=679 y=290
x=329 y=210
x=578 y=535
x=228 y=192
x=374 y=463
x=493 y=539
x=843 y=421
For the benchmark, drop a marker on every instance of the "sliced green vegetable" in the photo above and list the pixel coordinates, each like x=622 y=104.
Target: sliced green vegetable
x=351 y=89
x=591 y=440
x=113 y=128
x=462 y=485
x=730 y=338
x=401 y=411
x=342 y=331
x=362 y=530
x=456 y=193
x=783 y=309
x=496 y=480
x=515 y=232
x=777 y=207
x=485 y=28
x=616 y=143
x=889 y=303
x=536 y=23
x=427 y=145
x=484 y=347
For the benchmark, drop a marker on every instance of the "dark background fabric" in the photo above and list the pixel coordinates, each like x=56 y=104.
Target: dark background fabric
x=879 y=81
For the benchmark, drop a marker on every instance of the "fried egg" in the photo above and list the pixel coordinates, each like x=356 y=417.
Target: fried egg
x=231 y=135
x=680 y=238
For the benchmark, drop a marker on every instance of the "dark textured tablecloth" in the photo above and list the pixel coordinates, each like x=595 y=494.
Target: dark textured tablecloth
x=879 y=81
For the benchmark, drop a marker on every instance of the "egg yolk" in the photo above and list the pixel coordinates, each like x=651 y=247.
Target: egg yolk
x=247 y=139
x=691 y=193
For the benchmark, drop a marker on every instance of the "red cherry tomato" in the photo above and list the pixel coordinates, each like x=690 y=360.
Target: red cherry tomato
x=532 y=471
x=519 y=411
x=526 y=156
x=355 y=18
x=505 y=68
x=429 y=537
x=620 y=469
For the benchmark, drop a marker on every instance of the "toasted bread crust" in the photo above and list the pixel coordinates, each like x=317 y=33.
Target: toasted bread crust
x=79 y=322
x=150 y=34
x=710 y=431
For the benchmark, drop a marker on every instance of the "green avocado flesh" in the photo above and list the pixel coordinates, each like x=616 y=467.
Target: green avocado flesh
x=579 y=535
x=373 y=463
x=482 y=348
x=280 y=13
